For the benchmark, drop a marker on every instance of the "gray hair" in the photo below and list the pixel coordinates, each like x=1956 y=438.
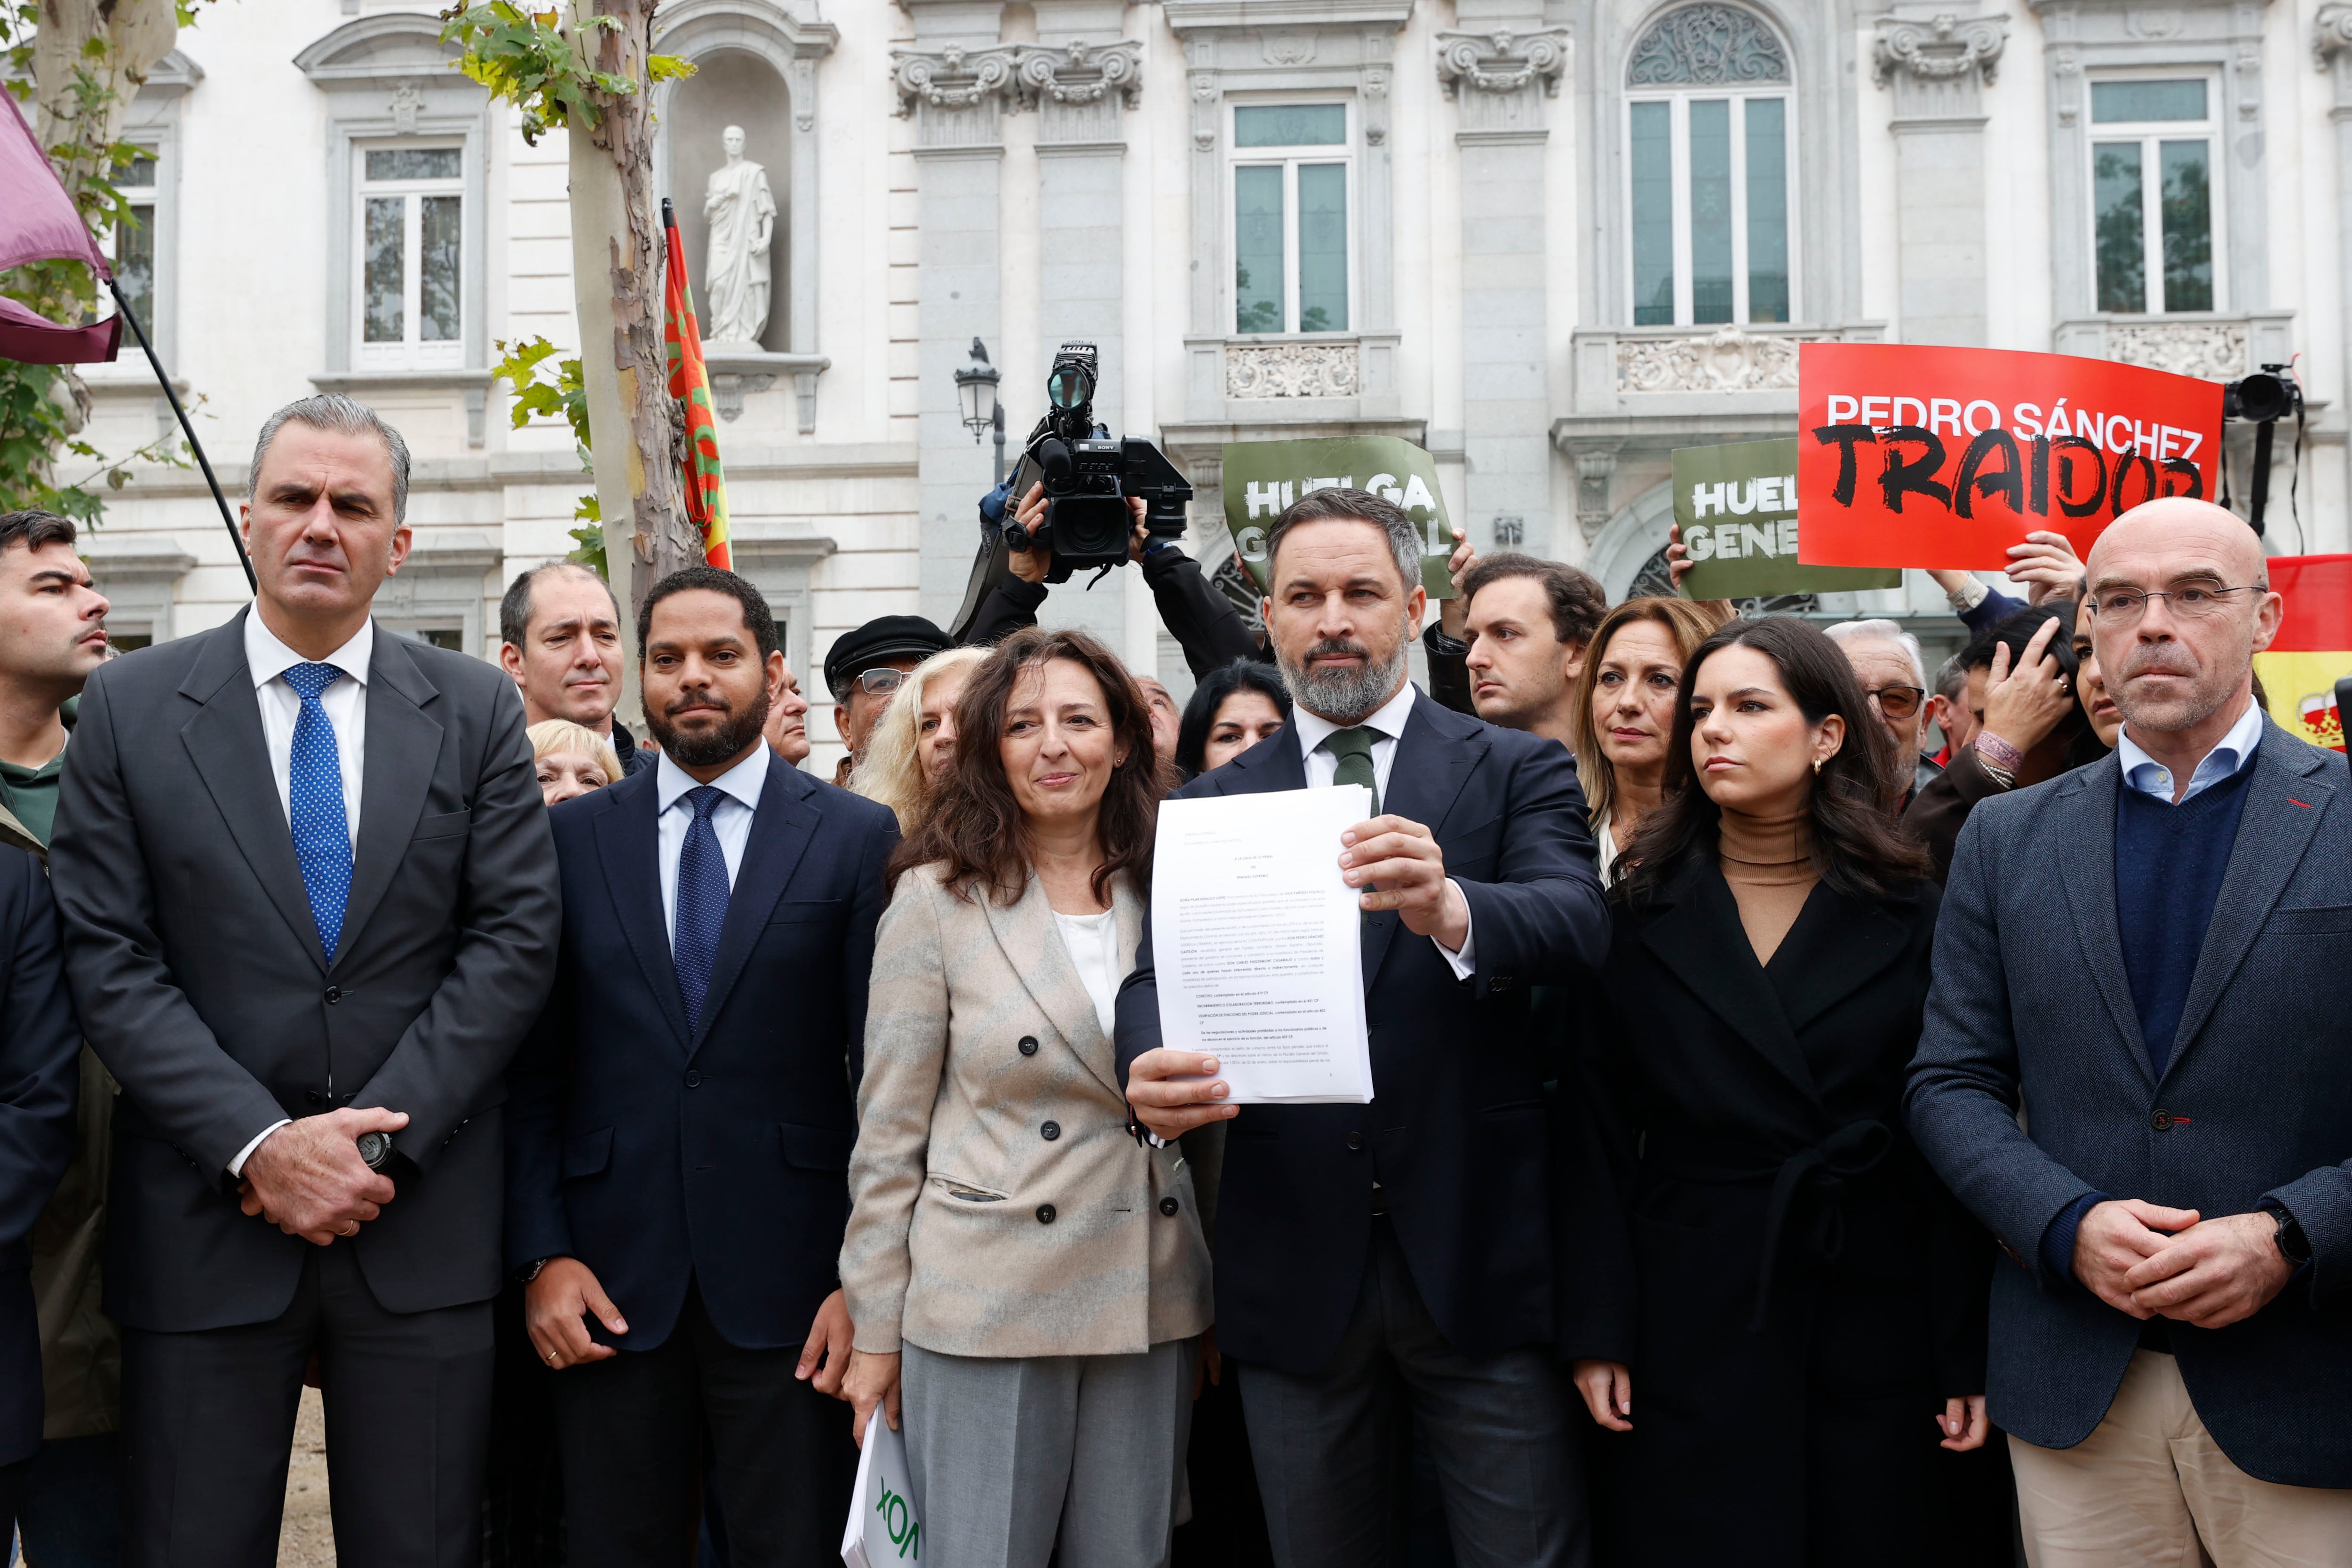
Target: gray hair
x=1883 y=631
x=1339 y=503
x=1952 y=676
x=345 y=416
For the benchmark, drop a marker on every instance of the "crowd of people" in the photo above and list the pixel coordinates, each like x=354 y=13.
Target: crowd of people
x=1950 y=1147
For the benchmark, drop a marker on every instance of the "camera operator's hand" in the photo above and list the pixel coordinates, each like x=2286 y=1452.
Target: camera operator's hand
x=1454 y=614
x=1139 y=536
x=1032 y=564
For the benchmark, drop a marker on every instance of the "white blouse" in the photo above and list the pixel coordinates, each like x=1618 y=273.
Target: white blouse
x=1092 y=944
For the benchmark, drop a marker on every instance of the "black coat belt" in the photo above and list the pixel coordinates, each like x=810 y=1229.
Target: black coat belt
x=1854 y=1150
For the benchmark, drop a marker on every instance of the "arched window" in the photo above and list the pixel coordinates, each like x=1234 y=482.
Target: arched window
x=1709 y=146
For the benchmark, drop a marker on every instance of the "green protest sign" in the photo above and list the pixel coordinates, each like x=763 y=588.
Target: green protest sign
x=1737 y=506
x=1264 y=477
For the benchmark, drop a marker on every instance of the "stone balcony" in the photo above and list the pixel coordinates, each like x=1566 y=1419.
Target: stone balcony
x=2215 y=347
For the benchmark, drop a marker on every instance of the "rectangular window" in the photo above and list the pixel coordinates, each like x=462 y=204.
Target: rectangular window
x=1292 y=239
x=1707 y=199
x=411 y=258
x=2152 y=200
x=134 y=238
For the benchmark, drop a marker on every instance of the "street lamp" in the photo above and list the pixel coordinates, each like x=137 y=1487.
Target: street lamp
x=976 y=390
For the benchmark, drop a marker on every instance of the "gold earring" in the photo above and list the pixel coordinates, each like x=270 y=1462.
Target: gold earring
x=1817 y=766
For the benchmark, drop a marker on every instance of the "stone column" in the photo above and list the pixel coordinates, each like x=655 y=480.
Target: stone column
x=956 y=85
x=1083 y=78
x=2332 y=48
x=1937 y=69
x=1501 y=79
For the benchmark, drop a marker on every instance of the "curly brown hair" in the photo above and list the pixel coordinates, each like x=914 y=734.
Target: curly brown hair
x=976 y=828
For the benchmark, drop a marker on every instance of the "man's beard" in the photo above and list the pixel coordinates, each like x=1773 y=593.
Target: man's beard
x=2208 y=689
x=721 y=742
x=1343 y=695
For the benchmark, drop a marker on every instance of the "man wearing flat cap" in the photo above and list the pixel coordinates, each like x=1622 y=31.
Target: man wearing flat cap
x=864 y=669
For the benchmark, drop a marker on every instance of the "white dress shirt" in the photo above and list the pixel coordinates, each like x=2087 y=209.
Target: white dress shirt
x=730 y=820
x=1388 y=721
x=345 y=703
x=2236 y=749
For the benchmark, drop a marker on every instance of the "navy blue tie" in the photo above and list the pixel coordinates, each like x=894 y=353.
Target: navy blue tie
x=702 y=905
x=322 y=832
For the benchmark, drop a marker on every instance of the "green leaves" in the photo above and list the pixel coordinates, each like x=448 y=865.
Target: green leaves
x=526 y=58
x=538 y=393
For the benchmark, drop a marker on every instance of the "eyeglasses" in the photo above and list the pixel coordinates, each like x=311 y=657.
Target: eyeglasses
x=1897 y=701
x=881 y=682
x=2124 y=606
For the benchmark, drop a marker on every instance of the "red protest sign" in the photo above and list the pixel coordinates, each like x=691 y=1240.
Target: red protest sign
x=1945 y=457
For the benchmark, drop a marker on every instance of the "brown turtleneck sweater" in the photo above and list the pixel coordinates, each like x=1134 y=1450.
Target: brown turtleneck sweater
x=1768 y=861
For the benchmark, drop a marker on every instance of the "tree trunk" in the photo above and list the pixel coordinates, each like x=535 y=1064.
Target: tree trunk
x=133 y=34
x=636 y=433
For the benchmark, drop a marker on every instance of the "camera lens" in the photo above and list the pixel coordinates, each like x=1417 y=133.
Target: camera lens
x=2258 y=398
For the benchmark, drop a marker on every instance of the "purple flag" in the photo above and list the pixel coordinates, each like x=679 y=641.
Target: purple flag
x=38 y=223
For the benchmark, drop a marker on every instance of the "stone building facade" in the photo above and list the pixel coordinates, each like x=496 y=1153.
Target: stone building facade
x=1550 y=240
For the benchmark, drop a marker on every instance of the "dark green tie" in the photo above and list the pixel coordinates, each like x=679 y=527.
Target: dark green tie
x=1353 y=748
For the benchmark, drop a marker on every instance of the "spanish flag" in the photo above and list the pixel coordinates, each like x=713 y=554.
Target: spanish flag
x=2313 y=649
x=689 y=383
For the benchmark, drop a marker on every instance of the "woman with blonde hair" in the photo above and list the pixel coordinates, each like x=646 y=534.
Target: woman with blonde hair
x=571 y=758
x=914 y=742
x=1624 y=713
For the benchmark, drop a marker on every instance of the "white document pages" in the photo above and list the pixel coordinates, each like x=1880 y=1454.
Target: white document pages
x=1257 y=940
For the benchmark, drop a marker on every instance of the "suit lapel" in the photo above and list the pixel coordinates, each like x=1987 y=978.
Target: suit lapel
x=1433 y=758
x=628 y=848
x=226 y=742
x=2083 y=814
x=1833 y=951
x=404 y=744
x=1034 y=946
x=2271 y=838
x=781 y=831
x=1273 y=763
x=1698 y=938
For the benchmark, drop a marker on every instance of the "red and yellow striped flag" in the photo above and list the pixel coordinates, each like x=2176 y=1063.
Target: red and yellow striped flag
x=689 y=383
x=2313 y=649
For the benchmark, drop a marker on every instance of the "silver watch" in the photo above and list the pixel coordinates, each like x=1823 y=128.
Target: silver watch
x=375 y=1149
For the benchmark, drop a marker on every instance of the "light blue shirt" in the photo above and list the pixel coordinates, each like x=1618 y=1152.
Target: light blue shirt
x=2145 y=774
x=730 y=819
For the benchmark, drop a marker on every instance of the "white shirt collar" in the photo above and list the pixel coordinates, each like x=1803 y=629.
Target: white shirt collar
x=743 y=782
x=268 y=658
x=1388 y=718
x=2235 y=749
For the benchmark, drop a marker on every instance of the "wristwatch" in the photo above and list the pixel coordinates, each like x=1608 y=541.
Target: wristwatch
x=375 y=1149
x=2293 y=1245
x=529 y=1271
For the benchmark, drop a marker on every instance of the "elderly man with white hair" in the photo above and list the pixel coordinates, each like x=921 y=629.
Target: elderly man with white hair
x=1886 y=660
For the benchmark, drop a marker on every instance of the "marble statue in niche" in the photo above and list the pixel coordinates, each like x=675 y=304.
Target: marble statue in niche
x=742 y=213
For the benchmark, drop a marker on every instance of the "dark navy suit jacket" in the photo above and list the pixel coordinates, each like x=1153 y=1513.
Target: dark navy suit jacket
x=1455 y=1133
x=654 y=1155
x=40 y=1048
x=2030 y=1007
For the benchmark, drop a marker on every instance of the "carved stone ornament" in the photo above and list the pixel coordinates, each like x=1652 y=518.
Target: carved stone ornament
x=1939 y=51
x=2331 y=35
x=1502 y=61
x=953 y=77
x=1288 y=49
x=2214 y=349
x=1291 y=370
x=1082 y=72
x=1726 y=360
x=405 y=103
x=1704 y=45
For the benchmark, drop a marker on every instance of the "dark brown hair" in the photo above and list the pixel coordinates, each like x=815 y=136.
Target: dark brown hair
x=976 y=829
x=1857 y=850
x=1577 y=602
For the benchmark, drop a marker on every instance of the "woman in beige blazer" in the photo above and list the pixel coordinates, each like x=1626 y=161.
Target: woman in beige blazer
x=1028 y=1276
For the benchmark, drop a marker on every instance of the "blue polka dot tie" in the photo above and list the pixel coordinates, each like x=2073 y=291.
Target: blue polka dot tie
x=322 y=832
x=701 y=904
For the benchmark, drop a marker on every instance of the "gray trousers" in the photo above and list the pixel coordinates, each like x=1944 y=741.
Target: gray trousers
x=1008 y=1457
x=1332 y=1449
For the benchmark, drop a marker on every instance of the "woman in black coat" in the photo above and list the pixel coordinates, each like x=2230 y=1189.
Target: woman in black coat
x=1763 y=1256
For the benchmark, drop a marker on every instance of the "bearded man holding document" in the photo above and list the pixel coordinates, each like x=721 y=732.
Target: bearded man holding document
x=1396 y=1258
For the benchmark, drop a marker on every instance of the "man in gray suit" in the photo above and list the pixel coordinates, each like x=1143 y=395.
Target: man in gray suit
x=2134 y=1072
x=311 y=908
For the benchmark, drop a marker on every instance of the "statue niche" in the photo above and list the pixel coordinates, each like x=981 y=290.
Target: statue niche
x=736 y=277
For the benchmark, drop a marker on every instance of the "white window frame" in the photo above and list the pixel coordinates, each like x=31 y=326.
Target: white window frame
x=1679 y=99
x=1288 y=159
x=2150 y=134
x=413 y=353
x=151 y=196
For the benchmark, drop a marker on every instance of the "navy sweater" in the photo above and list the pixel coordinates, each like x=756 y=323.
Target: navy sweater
x=2169 y=861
